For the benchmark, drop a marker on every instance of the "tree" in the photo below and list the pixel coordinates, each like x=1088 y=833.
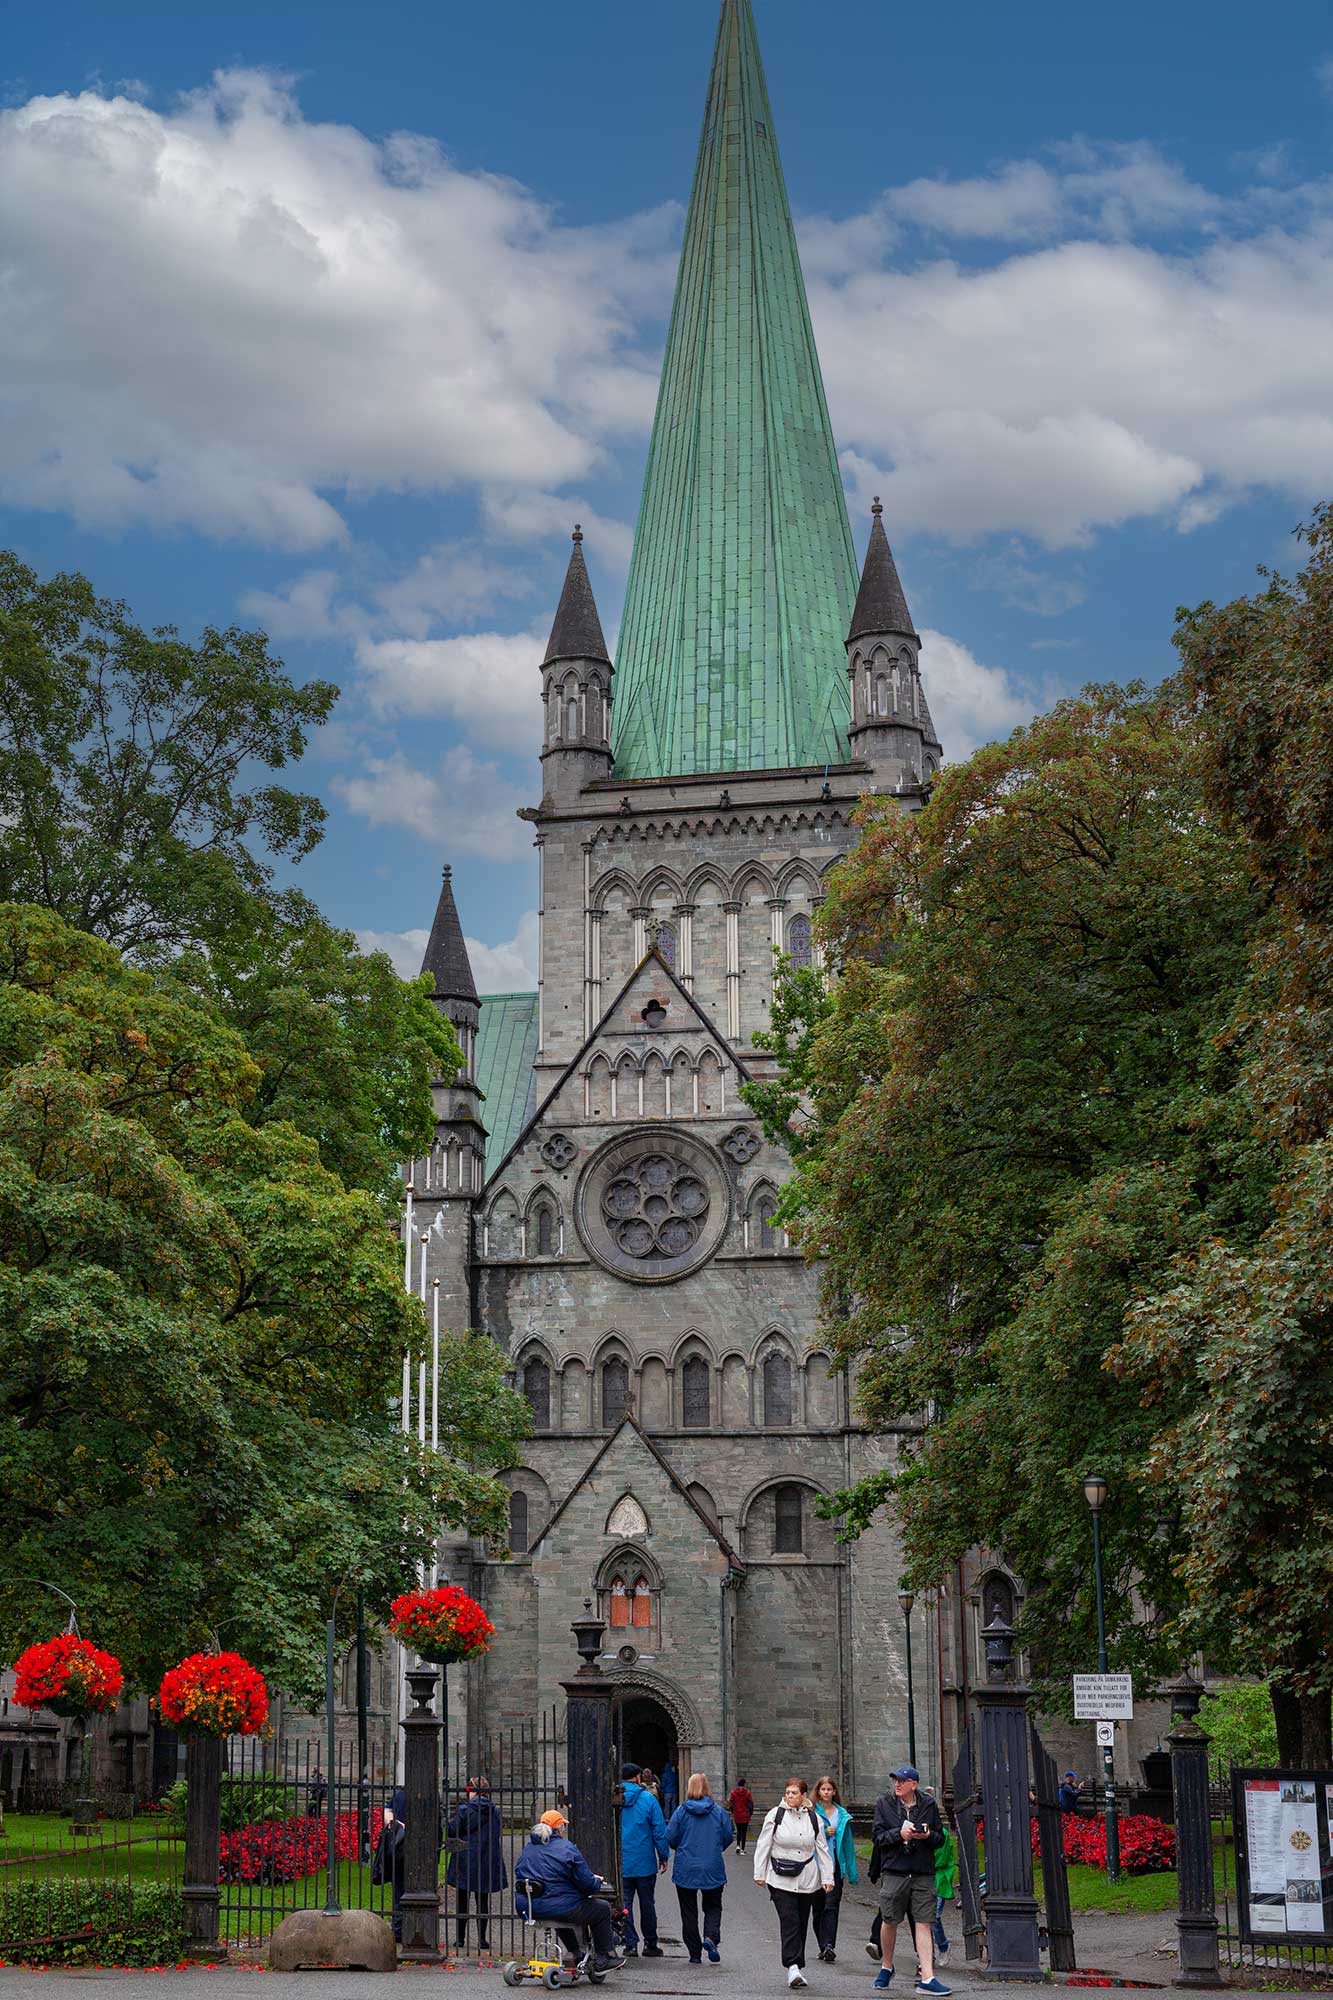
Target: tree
x=1013 y=1110
x=198 y=1324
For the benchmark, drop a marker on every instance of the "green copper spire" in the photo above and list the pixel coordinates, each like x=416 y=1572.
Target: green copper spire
x=731 y=653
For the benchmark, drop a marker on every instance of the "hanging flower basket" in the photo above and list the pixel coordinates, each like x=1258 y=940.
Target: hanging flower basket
x=214 y=1694
x=70 y=1676
x=442 y=1625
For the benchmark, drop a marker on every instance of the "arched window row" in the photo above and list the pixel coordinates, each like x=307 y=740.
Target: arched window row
x=692 y=1392
x=451 y=1168
x=539 y=1232
x=578 y=711
x=658 y=1085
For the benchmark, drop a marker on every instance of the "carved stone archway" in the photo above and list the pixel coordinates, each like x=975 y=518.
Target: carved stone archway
x=684 y=1715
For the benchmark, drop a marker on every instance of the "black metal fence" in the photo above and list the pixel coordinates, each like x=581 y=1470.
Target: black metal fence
x=60 y=1889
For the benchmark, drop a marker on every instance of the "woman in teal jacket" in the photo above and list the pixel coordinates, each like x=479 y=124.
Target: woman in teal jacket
x=838 y=1822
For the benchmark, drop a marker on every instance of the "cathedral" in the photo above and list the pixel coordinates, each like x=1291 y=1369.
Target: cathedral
x=600 y=1199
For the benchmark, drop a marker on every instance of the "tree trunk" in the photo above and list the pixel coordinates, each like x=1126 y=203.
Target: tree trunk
x=1287 y=1716
x=1304 y=1728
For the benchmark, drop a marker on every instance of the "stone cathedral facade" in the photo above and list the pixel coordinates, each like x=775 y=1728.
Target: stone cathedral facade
x=600 y=1200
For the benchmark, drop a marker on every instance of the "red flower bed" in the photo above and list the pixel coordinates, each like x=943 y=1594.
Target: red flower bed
x=1147 y=1846
x=444 y=1624
x=68 y=1675
x=284 y=1850
x=214 y=1694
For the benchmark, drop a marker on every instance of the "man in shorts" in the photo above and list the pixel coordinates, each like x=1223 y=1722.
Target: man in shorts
x=907 y=1831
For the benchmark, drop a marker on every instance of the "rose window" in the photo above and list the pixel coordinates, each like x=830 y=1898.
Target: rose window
x=655 y=1207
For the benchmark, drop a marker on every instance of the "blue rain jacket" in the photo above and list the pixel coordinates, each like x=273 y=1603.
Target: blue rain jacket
x=699 y=1830
x=643 y=1833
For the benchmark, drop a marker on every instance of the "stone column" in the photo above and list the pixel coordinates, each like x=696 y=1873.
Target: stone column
x=1002 y=1733
x=203 y=1843
x=685 y=957
x=1196 y=1913
x=732 y=912
x=421 y=1848
x=590 y=1750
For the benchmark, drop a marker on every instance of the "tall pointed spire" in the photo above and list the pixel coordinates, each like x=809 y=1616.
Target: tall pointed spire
x=744 y=572
x=881 y=604
x=577 y=631
x=446 y=957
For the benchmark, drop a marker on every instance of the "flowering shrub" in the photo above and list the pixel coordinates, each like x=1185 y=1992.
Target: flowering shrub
x=285 y=1850
x=1147 y=1846
x=214 y=1694
x=444 y=1624
x=69 y=1676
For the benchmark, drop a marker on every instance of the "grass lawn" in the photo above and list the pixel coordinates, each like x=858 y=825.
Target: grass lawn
x=41 y=1845
x=1149 y=1895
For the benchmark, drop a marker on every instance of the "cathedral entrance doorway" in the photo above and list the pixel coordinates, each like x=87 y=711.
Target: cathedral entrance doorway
x=647 y=1733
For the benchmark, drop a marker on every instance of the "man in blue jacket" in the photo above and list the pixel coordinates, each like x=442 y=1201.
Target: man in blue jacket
x=565 y=1890
x=643 y=1857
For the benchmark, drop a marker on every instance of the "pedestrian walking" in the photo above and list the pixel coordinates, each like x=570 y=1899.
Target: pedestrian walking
x=643 y=1856
x=390 y=1857
x=946 y=1888
x=700 y=1832
x=741 y=1807
x=670 y=1788
x=792 y=1861
x=842 y=1846
x=476 y=1869
x=649 y=1782
x=907 y=1833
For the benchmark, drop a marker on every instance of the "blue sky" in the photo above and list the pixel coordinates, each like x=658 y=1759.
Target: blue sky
x=335 y=319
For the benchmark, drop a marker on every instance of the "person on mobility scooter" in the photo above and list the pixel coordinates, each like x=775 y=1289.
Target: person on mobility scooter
x=555 y=1889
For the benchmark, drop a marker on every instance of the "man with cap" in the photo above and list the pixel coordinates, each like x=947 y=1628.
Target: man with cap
x=643 y=1856
x=907 y=1830
x=1070 y=1792
x=553 y=1882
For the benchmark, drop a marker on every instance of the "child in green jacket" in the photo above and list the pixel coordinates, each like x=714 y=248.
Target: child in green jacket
x=946 y=1888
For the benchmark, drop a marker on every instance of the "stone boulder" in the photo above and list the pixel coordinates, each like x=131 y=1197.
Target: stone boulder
x=352 y=1941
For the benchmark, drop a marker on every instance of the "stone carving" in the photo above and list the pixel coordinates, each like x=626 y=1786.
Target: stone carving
x=627 y=1519
x=558 y=1151
x=741 y=1145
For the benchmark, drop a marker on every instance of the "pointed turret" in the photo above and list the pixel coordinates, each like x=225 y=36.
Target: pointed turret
x=576 y=687
x=446 y=957
x=744 y=571
x=891 y=725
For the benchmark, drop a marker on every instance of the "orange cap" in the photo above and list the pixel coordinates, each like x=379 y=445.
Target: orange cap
x=554 y=1819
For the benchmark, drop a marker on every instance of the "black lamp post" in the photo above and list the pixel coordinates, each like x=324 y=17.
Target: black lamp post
x=1095 y=1490
x=907 y=1599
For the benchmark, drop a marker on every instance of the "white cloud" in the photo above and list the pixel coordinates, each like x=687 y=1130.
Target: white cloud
x=1324 y=73
x=463 y=806
x=510 y=967
x=489 y=683
x=1109 y=189
x=222 y=314
x=970 y=704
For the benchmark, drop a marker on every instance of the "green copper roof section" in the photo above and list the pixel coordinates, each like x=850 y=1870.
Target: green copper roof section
x=731 y=653
x=506 y=1051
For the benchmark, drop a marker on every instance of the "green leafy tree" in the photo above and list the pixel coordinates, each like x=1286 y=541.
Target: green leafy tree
x=198 y=1325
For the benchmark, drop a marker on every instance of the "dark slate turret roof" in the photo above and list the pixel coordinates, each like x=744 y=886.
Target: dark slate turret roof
x=577 y=631
x=446 y=953
x=881 y=605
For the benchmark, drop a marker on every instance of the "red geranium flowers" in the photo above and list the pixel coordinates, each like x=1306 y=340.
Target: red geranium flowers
x=214 y=1694
x=68 y=1675
x=1147 y=1845
x=444 y=1624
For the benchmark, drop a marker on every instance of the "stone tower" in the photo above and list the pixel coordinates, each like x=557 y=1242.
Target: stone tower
x=891 y=726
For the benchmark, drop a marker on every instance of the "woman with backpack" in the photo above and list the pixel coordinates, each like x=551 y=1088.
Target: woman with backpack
x=838 y=1832
x=700 y=1832
x=792 y=1861
x=477 y=1865
x=741 y=1807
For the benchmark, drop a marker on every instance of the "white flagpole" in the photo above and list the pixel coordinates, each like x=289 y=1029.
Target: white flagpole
x=435 y=1367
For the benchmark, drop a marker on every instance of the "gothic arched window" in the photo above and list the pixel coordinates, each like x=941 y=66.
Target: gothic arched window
x=694 y=1393
x=666 y=944
x=571 y=720
x=788 y=1521
x=545 y=1232
x=518 y=1524
x=777 y=1390
x=594 y=714
x=537 y=1391
x=615 y=1391
x=643 y=1603
x=770 y=1237
x=799 y=947
x=620 y=1604
x=882 y=694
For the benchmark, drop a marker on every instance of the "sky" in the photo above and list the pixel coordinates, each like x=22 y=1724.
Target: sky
x=334 y=320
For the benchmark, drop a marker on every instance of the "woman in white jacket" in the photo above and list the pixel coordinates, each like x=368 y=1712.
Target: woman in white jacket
x=792 y=1861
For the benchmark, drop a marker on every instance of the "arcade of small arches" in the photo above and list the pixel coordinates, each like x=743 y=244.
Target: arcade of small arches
x=658 y=1085
x=452 y=1168
x=777 y=1520
x=691 y=1390
x=578 y=709
x=539 y=1230
x=887 y=688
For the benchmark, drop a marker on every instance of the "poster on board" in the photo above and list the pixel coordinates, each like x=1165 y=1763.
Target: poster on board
x=1284 y=1837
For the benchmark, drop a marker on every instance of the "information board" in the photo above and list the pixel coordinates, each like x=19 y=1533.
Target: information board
x=1284 y=1854
x=1103 y=1697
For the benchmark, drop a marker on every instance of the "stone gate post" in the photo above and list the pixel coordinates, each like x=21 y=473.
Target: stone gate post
x=1002 y=1750
x=590 y=1750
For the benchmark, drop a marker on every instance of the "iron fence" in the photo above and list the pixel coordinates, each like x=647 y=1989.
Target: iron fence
x=1271 y=1953
x=60 y=1888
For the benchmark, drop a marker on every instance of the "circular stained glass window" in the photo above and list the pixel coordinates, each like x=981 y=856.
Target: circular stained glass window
x=653 y=1206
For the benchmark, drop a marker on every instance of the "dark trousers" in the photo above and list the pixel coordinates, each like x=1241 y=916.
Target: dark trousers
x=794 y=1917
x=482 y=1899
x=645 y=1888
x=742 y=1834
x=689 y=1918
x=826 y=1905
x=596 y=1914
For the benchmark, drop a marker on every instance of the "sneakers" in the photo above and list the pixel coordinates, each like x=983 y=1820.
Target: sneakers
x=613 y=1964
x=828 y=1955
x=714 y=1955
x=873 y=1952
x=932 y=1986
x=653 y=1951
x=795 y=1976
x=883 y=1978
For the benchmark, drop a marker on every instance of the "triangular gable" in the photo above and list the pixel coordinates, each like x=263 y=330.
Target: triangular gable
x=655 y=959
x=664 y=1465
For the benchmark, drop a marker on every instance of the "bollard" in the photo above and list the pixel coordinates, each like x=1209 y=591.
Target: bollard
x=420 y=1901
x=1196 y=1913
x=203 y=1844
x=1002 y=1747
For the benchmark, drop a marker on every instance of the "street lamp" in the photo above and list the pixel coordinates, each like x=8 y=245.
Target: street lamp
x=1095 y=1491
x=906 y=1599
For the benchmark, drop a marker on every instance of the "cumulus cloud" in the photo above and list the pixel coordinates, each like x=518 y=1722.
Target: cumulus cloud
x=464 y=805
x=224 y=315
x=970 y=704
x=1109 y=189
x=488 y=683
x=510 y=967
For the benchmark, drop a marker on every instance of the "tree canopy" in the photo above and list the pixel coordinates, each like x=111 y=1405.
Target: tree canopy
x=199 y=1327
